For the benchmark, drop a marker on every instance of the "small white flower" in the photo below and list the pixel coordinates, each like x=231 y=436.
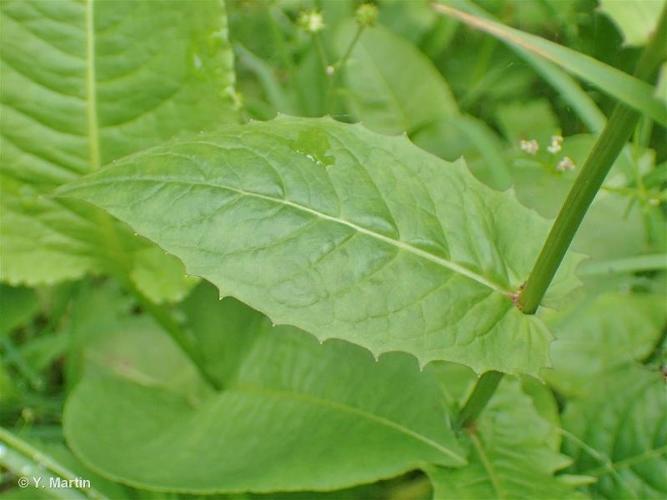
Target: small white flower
x=556 y=144
x=531 y=147
x=330 y=70
x=311 y=21
x=565 y=164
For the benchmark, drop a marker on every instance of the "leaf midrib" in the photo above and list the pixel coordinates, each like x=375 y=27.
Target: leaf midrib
x=91 y=89
x=488 y=466
x=345 y=408
x=401 y=245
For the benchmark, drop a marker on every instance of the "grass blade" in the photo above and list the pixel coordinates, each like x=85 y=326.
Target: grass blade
x=616 y=83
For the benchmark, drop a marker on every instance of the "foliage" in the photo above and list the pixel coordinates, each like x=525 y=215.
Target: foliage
x=268 y=248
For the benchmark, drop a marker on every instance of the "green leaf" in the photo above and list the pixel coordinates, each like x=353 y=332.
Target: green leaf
x=19 y=305
x=539 y=185
x=648 y=262
x=293 y=415
x=49 y=463
x=622 y=86
x=157 y=277
x=85 y=83
x=568 y=89
x=510 y=455
x=343 y=233
x=636 y=19
x=619 y=434
x=527 y=119
x=391 y=86
x=661 y=88
x=468 y=137
x=600 y=334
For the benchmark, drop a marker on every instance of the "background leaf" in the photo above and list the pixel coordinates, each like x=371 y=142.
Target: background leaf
x=636 y=19
x=85 y=83
x=392 y=87
x=622 y=86
x=598 y=335
x=619 y=434
x=293 y=415
x=510 y=455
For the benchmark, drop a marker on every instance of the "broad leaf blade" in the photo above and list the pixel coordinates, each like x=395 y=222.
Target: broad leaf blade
x=631 y=91
x=390 y=85
x=343 y=233
x=510 y=455
x=294 y=414
x=84 y=83
x=393 y=88
x=619 y=434
x=636 y=19
x=601 y=334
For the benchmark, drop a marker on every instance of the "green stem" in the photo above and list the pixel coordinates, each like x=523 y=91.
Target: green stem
x=14 y=357
x=618 y=130
x=167 y=322
x=42 y=460
x=324 y=60
x=332 y=84
x=119 y=266
x=484 y=388
x=350 y=48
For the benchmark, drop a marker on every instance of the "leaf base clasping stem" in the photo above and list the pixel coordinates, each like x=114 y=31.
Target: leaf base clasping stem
x=608 y=146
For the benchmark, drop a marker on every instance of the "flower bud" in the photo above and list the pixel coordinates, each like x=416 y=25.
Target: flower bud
x=366 y=15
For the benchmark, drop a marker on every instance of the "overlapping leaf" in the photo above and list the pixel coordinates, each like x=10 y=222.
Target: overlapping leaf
x=511 y=455
x=601 y=334
x=391 y=86
x=620 y=85
x=293 y=414
x=619 y=434
x=636 y=19
x=84 y=83
x=343 y=233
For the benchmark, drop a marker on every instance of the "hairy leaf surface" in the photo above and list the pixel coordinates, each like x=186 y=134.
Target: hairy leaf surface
x=343 y=233
x=510 y=455
x=84 y=83
x=293 y=414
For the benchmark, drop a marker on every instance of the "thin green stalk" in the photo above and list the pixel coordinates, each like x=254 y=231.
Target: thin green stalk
x=481 y=394
x=320 y=51
x=618 y=130
x=120 y=266
x=167 y=322
x=13 y=356
x=42 y=460
x=350 y=48
x=333 y=81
